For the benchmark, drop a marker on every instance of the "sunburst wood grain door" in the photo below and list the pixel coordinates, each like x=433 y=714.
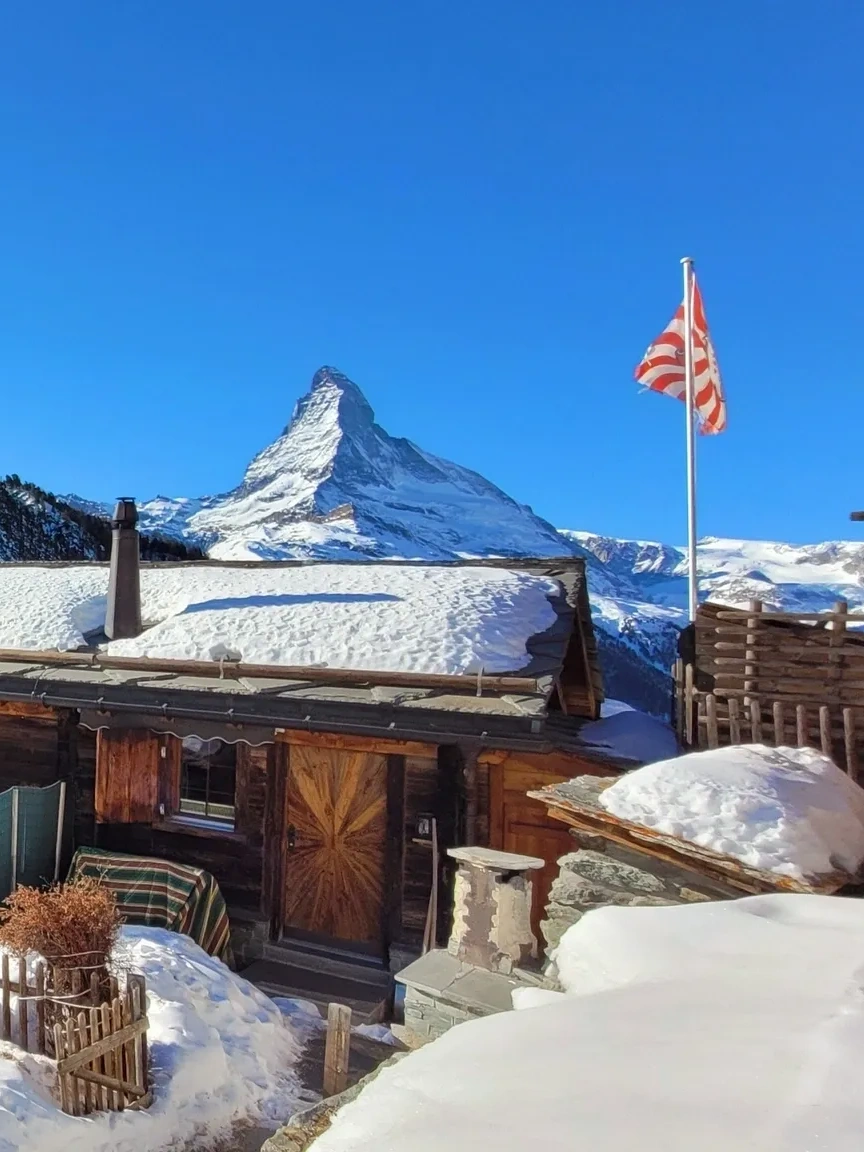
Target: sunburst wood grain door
x=336 y=830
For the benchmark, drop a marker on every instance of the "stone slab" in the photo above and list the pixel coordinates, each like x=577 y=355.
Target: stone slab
x=494 y=861
x=446 y=978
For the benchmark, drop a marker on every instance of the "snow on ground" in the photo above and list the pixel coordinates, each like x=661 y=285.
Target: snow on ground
x=785 y=810
x=221 y=1054
x=715 y=1026
x=306 y=1019
x=381 y=617
x=632 y=735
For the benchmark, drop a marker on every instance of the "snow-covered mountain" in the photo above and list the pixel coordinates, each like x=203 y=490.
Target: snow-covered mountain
x=36 y=525
x=336 y=485
x=639 y=591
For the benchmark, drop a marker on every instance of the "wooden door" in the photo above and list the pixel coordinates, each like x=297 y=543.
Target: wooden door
x=518 y=824
x=336 y=832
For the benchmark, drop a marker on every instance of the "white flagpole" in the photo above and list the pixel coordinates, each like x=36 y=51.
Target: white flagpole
x=690 y=405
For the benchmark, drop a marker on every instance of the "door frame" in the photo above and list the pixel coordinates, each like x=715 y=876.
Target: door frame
x=276 y=857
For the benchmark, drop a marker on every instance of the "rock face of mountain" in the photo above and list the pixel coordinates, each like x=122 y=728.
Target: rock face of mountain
x=336 y=485
x=36 y=525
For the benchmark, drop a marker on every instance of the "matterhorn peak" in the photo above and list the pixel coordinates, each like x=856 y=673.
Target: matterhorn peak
x=328 y=375
x=332 y=400
x=335 y=484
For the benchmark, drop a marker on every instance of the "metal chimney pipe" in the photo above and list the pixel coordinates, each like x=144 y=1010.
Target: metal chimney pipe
x=123 y=615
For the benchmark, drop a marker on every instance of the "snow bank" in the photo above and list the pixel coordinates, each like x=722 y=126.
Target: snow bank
x=221 y=1053
x=632 y=735
x=613 y=707
x=379 y=617
x=714 y=1026
x=615 y=947
x=785 y=810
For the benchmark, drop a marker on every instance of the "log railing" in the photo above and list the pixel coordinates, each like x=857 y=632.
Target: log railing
x=803 y=657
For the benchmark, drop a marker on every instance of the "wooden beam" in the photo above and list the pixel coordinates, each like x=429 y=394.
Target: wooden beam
x=303 y=739
x=558 y=763
x=101 y=1047
x=109 y=1082
x=593 y=702
x=394 y=860
x=274 y=851
x=31 y=711
x=458 y=682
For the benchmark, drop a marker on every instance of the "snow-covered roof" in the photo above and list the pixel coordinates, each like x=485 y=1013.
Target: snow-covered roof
x=629 y=734
x=420 y=650
x=381 y=617
x=724 y=1025
x=789 y=811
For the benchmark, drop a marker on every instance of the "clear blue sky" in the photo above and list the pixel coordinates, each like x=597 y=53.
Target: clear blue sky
x=475 y=210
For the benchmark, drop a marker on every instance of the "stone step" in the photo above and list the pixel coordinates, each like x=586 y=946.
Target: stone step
x=368 y=1001
x=363 y=970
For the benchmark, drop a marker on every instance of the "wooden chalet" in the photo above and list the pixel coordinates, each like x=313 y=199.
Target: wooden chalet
x=310 y=793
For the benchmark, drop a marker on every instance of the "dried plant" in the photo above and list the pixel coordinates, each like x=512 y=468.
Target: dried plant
x=73 y=926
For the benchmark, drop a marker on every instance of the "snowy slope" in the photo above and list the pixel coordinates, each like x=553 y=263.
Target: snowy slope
x=336 y=485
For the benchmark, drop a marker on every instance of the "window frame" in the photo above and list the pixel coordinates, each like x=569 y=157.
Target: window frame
x=201 y=815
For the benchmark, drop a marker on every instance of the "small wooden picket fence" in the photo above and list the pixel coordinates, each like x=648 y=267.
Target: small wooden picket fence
x=100 y=1049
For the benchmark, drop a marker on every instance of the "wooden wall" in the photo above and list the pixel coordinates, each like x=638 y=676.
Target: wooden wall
x=30 y=744
x=248 y=861
x=456 y=785
x=234 y=857
x=421 y=798
x=515 y=823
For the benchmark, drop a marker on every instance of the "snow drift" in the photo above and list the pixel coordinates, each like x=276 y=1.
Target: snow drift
x=715 y=1026
x=221 y=1054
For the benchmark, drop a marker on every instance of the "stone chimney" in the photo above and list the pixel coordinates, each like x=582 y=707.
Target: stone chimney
x=123 y=616
x=492 y=909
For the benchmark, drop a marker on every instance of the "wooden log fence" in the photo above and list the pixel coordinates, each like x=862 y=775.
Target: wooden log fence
x=803 y=657
x=100 y=1048
x=780 y=678
x=838 y=733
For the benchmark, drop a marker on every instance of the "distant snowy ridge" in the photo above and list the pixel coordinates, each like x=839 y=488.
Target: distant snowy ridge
x=638 y=592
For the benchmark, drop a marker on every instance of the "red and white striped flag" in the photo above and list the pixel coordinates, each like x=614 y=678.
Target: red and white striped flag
x=662 y=367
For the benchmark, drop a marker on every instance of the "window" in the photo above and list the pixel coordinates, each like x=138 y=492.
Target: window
x=207 y=779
